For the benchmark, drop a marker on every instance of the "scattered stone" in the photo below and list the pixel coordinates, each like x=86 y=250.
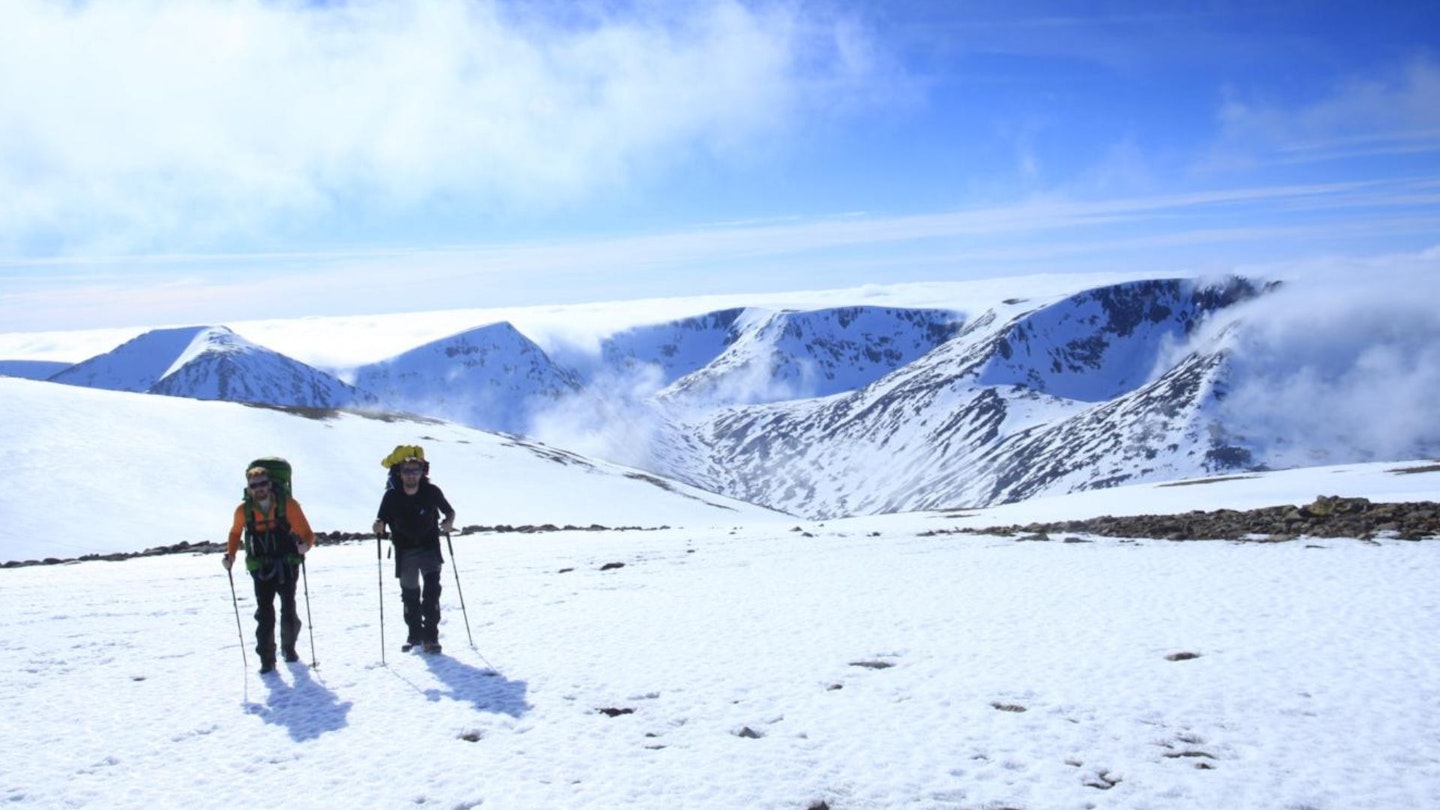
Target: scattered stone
x=1102 y=781
x=322 y=538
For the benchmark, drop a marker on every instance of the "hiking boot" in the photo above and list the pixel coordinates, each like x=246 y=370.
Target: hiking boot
x=291 y=656
x=432 y=647
x=266 y=667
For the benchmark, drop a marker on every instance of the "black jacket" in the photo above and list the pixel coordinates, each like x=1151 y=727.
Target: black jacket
x=414 y=520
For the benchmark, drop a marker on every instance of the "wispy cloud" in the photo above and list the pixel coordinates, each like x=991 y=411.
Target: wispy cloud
x=1170 y=232
x=1396 y=112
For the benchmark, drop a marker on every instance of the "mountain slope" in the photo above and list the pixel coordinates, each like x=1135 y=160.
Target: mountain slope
x=136 y=365
x=492 y=377
x=32 y=369
x=1105 y=342
x=665 y=351
x=804 y=354
x=174 y=471
x=976 y=422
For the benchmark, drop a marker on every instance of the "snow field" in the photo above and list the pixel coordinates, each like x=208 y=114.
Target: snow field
x=750 y=667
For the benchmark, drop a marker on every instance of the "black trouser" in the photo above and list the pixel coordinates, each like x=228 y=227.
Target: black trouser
x=416 y=568
x=281 y=581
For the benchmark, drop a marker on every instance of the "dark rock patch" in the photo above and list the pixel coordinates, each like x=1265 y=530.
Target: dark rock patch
x=1327 y=516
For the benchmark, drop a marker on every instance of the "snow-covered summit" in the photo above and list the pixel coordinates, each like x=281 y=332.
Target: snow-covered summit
x=491 y=377
x=1031 y=397
x=210 y=362
x=805 y=354
x=138 y=364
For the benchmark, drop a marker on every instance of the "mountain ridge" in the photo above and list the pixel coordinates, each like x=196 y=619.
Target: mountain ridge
x=844 y=410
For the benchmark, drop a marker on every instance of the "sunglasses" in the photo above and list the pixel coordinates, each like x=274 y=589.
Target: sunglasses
x=411 y=471
x=259 y=484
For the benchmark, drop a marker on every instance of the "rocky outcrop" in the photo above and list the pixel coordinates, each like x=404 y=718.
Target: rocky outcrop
x=1327 y=516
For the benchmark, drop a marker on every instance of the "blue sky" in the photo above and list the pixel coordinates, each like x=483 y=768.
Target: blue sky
x=197 y=161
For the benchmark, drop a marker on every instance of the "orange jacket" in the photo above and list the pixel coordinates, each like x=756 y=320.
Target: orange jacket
x=293 y=513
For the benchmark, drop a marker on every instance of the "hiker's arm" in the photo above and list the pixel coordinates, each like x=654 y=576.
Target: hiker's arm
x=382 y=515
x=447 y=525
x=442 y=503
x=298 y=524
x=237 y=525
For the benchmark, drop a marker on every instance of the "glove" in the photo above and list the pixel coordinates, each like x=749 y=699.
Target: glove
x=227 y=561
x=379 y=528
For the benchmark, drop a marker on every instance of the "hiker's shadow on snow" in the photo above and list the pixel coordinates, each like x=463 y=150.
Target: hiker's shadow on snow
x=305 y=708
x=487 y=689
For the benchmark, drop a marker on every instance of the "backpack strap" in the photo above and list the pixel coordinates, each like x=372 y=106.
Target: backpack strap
x=278 y=533
x=251 y=514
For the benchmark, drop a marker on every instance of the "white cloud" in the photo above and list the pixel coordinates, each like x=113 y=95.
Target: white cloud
x=612 y=419
x=137 y=122
x=1333 y=365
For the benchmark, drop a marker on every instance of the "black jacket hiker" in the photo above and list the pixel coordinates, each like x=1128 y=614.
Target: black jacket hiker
x=417 y=512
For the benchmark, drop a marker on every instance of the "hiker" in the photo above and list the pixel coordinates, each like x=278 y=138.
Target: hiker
x=412 y=509
x=275 y=545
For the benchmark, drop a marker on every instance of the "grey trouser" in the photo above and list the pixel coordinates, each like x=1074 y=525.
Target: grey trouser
x=415 y=567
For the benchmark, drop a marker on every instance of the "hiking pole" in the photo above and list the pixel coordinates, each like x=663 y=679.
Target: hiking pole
x=454 y=563
x=309 y=624
x=380 y=579
x=244 y=662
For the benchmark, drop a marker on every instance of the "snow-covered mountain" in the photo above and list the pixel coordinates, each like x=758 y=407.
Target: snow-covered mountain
x=492 y=377
x=938 y=400
x=1030 y=398
x=211 y=362
x=787 y=355
x=665 y=351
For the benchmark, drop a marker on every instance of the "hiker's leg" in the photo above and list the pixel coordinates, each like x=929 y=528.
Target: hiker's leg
x=408 y=569
x=290 y=623
x=265 y=619
x=430 y=599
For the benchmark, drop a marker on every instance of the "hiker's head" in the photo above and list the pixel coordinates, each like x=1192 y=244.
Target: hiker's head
x=258 y=481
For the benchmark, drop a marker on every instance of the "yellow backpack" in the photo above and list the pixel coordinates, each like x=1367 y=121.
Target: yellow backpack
x=402 y=452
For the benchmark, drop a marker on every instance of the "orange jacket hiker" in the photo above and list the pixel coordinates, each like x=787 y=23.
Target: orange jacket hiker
x=293 y=514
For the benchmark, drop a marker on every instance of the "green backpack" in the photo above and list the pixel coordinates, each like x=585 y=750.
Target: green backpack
x=262 y=548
